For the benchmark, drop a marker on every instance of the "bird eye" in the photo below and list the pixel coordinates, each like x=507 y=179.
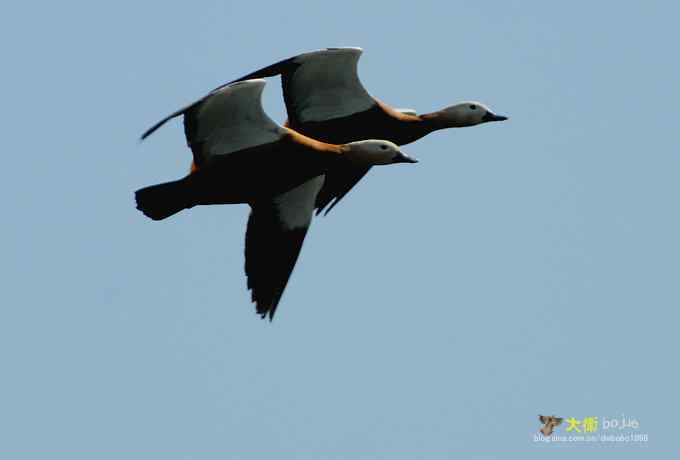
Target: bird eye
x=473 y=107
x=384 y=147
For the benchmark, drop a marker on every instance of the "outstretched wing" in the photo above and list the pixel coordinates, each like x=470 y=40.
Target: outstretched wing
x=319 y=85
x=229 y=119
x=274 y=237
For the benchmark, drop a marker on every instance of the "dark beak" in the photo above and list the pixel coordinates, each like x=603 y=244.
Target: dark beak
x=490 y=116
x=402 y=158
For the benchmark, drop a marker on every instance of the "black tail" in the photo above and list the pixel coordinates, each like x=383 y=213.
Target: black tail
x=163 y=200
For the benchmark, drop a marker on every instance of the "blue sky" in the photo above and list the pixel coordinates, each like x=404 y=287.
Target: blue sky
x=520 y=268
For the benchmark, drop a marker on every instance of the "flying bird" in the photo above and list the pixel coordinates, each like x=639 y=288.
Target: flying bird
x=325 y=100
x=243 y=156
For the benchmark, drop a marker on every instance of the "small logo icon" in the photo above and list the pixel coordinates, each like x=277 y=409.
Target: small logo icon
x=550 y=422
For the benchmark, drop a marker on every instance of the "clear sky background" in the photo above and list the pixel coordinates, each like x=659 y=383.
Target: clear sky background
x=521 y=268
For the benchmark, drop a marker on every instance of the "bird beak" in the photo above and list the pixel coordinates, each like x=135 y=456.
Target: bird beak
x=403 y=158
x=490 y=116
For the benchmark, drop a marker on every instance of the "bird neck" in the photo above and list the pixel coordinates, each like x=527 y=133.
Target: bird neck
x=316 y=149
x=404 y=128
x=438 y=120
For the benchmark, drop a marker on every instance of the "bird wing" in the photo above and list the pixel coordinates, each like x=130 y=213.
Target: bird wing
x=338 y=184
x=274 y=237
x=320 y=85
x=317 y=86
x=228 y=119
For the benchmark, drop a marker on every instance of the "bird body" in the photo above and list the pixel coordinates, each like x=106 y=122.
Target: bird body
x=257 y=173
x=379 y=120
x=246 y=176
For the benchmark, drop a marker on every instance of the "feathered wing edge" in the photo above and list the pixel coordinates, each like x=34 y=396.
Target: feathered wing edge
x=276 y=231
x=284 y=68
x=271 y=251
x=269 y=71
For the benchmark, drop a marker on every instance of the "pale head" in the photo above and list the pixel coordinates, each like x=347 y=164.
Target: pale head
x=469 y=113
x=375 y=152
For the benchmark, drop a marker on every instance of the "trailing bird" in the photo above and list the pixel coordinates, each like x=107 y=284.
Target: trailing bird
x=245 y=157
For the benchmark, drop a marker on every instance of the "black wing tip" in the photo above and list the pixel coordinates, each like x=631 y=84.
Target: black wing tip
x=153 y=129
x=332 y=205
x=278 y=68
x=336 y=187
x=326 y=207
x=323 y=204
x=266 y=309
x=146 y=134
x=265 y=305
x=183 y=111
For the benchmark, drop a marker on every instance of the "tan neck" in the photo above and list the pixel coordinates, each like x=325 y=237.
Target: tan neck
x=436 y=121
x=409 y=128
x=322 y=148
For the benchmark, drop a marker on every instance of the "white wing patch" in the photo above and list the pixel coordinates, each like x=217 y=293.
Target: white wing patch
x=232 y=119
x=407 y=111
x=296 y=206
x=326 y=85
